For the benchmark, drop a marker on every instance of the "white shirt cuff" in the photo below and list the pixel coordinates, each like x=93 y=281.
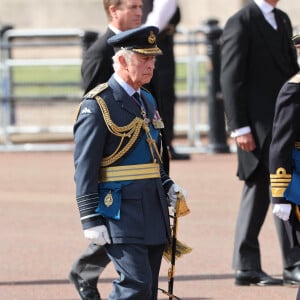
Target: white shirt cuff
x=240 y=131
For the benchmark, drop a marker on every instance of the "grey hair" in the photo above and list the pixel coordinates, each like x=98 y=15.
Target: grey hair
x=122 y=52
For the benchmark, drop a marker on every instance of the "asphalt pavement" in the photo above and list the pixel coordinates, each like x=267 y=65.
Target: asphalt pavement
x=41 y=234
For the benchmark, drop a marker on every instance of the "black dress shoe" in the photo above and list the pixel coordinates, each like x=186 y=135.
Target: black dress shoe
x=84 y=289
x=291 y=275
x=255 y=277
x=178 y=156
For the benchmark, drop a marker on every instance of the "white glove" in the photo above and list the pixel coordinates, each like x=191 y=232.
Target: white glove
x=97 y=235
x=282 y=211
x=172 y=194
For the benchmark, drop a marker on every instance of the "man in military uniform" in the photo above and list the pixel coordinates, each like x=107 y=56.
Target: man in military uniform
x=122 y=190
x=285 y=157
x=97 y=68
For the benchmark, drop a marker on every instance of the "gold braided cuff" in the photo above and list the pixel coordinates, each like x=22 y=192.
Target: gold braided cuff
x=279 y=182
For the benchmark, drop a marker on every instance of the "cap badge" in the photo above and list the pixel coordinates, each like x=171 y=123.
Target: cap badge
x=151 y=38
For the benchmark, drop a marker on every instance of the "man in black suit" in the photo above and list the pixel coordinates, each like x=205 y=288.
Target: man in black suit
x=97 y=61
x=165 y=14
x=97 y=68
x=258 y=56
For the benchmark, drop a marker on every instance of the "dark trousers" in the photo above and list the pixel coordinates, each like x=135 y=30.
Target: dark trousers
x=138 y=268
x=91 y=264
x=253 y=209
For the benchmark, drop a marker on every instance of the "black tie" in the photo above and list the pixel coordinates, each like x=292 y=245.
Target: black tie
x=138 y=99
x=277 y=18
x=139 y=102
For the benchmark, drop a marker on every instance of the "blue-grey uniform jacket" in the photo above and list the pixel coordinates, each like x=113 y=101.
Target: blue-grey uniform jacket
x=141 y=215
x=285 y=146
x=285 y=155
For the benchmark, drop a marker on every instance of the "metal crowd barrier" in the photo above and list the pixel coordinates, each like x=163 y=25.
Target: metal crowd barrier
x=190 y=46
x=28 y=101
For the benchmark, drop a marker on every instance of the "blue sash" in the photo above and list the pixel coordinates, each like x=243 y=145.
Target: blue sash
x=141 y=148
x=292 y=193
x=110 y=193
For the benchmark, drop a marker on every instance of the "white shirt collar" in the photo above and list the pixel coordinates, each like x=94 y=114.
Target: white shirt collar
x=128 y=89
x=264 y=6
x=267 y=11
x=114 y=29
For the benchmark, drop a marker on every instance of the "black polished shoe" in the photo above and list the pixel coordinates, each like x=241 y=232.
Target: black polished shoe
x=178 y=156
x=84 y=289
x=255 y=277
x=291 y=276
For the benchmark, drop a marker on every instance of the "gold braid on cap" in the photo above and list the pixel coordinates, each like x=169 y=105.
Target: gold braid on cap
x=131 y=131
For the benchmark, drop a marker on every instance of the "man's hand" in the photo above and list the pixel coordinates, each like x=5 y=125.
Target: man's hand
x=173 y=192
x=98 y=235
x=246 y=142
x=282 y=211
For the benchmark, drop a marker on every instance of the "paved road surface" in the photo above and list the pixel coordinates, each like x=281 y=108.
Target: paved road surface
x=41 y=234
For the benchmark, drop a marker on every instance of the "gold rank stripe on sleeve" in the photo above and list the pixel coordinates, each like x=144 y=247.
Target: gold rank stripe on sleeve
x=297 y=145
x=279 y=182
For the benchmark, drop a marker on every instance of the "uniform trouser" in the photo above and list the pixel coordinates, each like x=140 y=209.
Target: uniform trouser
x=253 y=209
x=91 y=263
x=138 y=268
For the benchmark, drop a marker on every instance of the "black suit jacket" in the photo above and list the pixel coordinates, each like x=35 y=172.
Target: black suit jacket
x=97 y=62
x=256 y=61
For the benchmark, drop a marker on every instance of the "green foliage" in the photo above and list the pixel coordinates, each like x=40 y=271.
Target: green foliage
x=45 y=80
x=65 y=80
x=184 y=74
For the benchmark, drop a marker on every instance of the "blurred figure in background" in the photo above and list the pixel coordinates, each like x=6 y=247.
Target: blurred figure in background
x=165 y=14
x=97 y=61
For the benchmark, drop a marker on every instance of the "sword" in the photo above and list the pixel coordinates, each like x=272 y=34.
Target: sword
x=176 y=248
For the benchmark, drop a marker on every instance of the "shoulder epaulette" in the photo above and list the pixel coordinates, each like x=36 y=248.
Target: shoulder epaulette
x=96 y=90
x=295 y=79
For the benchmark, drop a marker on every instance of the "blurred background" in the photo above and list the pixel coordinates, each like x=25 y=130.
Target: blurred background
x=41 y=47
x=88 y=14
